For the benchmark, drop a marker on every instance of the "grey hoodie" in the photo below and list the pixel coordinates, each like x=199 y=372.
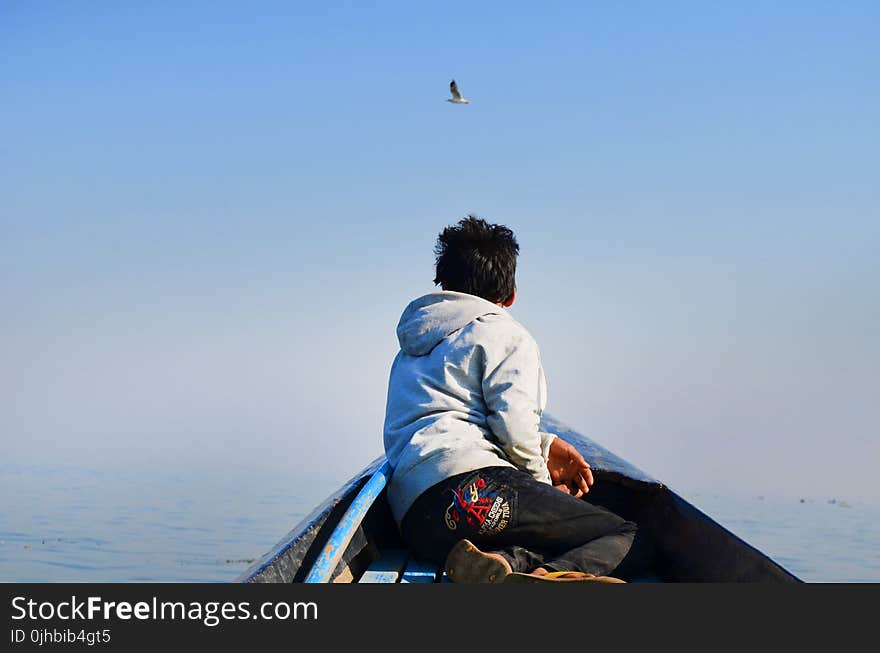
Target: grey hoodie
x=466 y=391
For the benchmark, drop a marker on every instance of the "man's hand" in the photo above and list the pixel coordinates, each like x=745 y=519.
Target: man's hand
x=569 y=471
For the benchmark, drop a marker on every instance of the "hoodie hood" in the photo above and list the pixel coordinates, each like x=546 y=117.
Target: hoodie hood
x=429 y=319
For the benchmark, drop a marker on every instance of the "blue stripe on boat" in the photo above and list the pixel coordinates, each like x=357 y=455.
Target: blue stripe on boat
x=345 y=529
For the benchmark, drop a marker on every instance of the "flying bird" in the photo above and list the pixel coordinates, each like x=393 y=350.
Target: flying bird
x=456 y=95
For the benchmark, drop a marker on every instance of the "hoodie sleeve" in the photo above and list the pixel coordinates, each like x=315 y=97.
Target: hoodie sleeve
x=513 y=388
x=546 y=441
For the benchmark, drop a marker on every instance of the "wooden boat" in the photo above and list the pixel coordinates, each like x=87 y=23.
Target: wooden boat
x=351 y=536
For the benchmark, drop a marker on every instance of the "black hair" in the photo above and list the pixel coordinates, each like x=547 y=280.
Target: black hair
x=478 y=258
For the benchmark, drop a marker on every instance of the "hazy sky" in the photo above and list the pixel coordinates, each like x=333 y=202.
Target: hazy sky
x=211 y=217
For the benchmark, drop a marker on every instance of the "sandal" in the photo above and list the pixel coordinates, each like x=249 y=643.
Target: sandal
x=559 y=577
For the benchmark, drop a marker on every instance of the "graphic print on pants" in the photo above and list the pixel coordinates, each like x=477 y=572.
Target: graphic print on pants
x=481 y=509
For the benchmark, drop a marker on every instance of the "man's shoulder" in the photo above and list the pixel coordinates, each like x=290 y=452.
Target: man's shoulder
x=502 y=329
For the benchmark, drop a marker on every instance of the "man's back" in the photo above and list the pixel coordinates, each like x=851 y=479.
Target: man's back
x=466 y=391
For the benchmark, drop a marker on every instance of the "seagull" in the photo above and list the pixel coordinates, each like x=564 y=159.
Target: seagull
x=456 y=96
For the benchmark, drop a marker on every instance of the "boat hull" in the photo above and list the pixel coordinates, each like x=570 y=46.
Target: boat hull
x=676 y=542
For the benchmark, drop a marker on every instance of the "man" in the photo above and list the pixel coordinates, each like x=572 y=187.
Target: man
x=476 y=484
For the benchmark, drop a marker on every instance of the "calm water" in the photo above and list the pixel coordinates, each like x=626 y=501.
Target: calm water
x=80 y=525
x=74 y=524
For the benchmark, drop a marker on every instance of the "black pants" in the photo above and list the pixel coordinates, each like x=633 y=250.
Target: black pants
x=532 y=524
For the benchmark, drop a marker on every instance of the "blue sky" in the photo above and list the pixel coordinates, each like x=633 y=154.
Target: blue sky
x=213 y=215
